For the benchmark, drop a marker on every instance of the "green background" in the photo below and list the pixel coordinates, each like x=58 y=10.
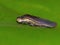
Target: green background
x=12 y=33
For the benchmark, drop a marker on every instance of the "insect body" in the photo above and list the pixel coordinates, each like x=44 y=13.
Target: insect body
x=35 y=21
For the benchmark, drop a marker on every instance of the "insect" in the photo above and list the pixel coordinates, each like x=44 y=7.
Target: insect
x=35 y=21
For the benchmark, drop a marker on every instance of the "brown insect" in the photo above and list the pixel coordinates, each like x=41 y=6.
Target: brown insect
x=35 y=21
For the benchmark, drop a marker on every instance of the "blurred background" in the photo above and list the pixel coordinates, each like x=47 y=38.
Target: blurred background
x=12 y=33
